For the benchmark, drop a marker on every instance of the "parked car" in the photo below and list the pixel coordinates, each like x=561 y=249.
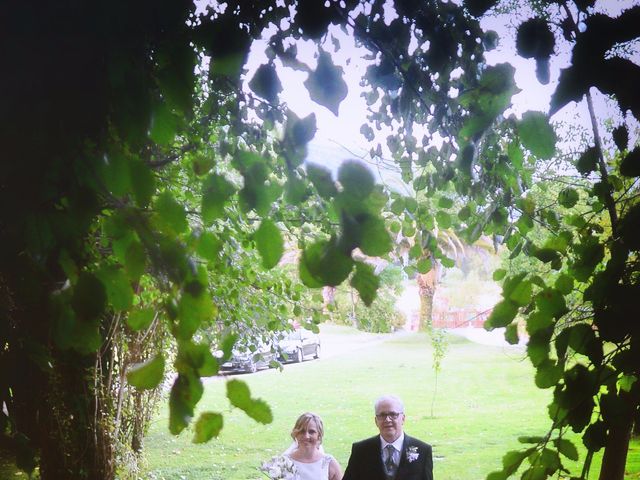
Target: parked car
x=299 y=344
x=250 y=357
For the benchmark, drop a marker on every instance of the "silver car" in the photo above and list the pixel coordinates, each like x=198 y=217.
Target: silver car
x=298 y=345
x=250 y=359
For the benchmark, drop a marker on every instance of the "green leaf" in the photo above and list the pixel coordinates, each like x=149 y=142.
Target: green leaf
x=265 y=82
x=443 y=219
x=499 y=274
x=445 y=202
x=630 y=165
x=208 y=246
x=621 y=137
x=545 y=255
x=447 y=262
x=117 y=287
x=478 y=8
x=521 y=294
x=239 y=395
x=193 y=310
x=538 y=346
x=536 y=472
x=629 y=228
x=583 y=340
x=537 y=135
x=365 y=282
x=164 y=124
x=511 y=283
x=410 y=204
x=171 y=213
x=535 y=40
x=515 y=155
x=269 y=242
x=258 y=194
x=548 y=374
x=550 y=460
x=208 y=426
x=538 y=321
x=326 y=85
x=356 y=180
x=511 y=334
x=140 y=318
x=202 y=163
x=301 y=130
x=89 y=296
x=228 y=341
x=550 y=302
x=196 y=358
x=568 y=197
x=588 y=161
x=143 y=182
x=322 y=180
x=497 y=476
x=595 y=436
x=375 y=241
x=531 y=439
x=424 y=265
x=227 y=65
x=511 y=461
x=296 y=191
x=147 y=375
x=564 y=284
x=397 y=206
x=415 y=252
x=589 y=254
x=566 y=448
x=216 y=190
x=185 y=394
x=464 y=213
x=626 y=382
x=135 y=260
x=324 y=263
x=502 y=315
x=116 y=174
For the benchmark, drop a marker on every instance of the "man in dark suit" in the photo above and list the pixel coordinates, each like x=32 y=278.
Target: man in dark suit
x=392 y=455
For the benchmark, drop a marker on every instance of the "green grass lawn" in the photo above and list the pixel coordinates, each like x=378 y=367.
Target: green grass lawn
x=485 y=400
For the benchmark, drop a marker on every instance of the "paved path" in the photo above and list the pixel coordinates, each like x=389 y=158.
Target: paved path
x=484 y=337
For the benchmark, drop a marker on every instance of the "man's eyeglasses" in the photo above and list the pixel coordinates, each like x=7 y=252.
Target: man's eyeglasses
x=391 y=415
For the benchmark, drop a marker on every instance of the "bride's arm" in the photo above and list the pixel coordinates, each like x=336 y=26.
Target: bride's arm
x=335 y=473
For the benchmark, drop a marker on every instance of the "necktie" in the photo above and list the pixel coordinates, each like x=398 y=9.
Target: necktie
x=389 y=464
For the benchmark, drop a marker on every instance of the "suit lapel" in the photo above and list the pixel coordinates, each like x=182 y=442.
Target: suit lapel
x=408 y=442
x=377 y=467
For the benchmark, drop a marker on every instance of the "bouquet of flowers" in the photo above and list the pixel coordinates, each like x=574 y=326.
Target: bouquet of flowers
x=279 y=467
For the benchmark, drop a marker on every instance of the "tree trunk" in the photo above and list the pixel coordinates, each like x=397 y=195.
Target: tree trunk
x=614 y=459
x=426 y=291
x=51 y=394
x=75 y=444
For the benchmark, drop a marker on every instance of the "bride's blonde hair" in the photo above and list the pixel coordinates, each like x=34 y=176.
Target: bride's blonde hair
x=302 y=422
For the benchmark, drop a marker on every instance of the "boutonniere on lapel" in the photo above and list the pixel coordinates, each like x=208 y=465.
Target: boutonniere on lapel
x=412 y=454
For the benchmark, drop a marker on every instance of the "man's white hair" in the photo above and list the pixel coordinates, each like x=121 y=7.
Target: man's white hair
x=393 y=398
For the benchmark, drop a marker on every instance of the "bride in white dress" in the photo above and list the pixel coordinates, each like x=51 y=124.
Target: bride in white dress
x=306 y=452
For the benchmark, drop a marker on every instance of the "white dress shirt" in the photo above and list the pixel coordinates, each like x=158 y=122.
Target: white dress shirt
x=397 y=447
